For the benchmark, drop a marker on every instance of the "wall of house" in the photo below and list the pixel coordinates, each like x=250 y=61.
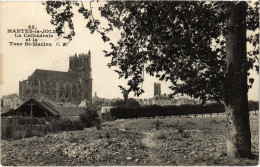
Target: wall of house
x=72 y=118
x=12 y=102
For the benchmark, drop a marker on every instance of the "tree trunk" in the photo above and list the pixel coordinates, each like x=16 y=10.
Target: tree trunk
x=125 y=94
x=235 y=95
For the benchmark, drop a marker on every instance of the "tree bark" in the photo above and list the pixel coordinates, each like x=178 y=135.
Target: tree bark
x=235 y=93
x=125 y=94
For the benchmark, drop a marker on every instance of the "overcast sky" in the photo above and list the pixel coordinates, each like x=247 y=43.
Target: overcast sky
x=18 y=62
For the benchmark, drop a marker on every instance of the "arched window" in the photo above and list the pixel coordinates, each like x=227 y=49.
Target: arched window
x=47 y=92
x=42 y=83
x=35 y=91
x=27 y=91
x=74 y=90
x=48 y=84
x=67 y=89
x=27 y=84
x=62 y=90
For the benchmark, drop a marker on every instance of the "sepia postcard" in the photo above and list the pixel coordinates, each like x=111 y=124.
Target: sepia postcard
x=129 y=83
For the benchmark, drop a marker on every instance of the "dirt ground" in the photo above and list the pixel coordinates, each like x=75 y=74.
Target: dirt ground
x=169 y=141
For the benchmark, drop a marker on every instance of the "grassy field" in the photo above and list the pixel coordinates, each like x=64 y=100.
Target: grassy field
x=170 y=141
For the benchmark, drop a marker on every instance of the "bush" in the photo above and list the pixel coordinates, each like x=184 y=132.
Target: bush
x=90 y=117
x=129 y=103
x=30 y=121
x=15 y=128
x=20 y=127
x=63 y=125
x=24 y=127
x=7 y=128
x=153 y=111
x=253 y=105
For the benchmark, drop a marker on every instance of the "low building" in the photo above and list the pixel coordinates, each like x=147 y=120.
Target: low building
x=185 y=100
x=41 y=109
x=106 y=114
x=12 y=101
x=144 y=102
x=83 y=103
x=162 y=100
x=147 y=102
x=106 y=109
x=71 y=113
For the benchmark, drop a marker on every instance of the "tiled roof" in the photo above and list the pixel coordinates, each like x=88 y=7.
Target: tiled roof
x=45 y=106
x=49 y=107
x=59 y=75
x=56 y=111
x=70 y=111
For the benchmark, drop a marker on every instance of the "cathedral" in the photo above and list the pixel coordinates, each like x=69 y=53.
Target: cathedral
x=61 y=87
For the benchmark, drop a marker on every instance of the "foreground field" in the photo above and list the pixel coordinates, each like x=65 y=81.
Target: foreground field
x=170 y=141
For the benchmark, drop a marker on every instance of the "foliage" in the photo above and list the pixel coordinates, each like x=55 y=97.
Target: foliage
x=30 y=121
x=7 y=128
x=180 y=42
x=58 y=125
x=23 y=127
x=19 y=127
x=253 y=105
x=129 y=103
x=200 y=47
x=16 y=129
x=153 y=111
x=90 y=117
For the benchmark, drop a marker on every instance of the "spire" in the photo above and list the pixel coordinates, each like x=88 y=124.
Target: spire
x=89 y=53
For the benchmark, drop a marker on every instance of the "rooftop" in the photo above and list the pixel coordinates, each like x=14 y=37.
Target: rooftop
x=59 y=75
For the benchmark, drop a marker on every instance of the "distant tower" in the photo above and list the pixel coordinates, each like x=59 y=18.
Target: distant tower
x=81 y=64
x=157 y=89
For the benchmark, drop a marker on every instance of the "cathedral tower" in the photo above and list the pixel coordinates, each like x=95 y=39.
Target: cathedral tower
x=81 y=64
x=157 y=89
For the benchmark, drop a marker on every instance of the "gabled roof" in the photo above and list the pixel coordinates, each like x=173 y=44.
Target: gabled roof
x=49 y=107
x=56 y=111
x=45 y=106
x=59 y=75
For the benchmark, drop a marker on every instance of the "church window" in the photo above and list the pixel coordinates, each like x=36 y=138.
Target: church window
x=35 y=91
x=62 y=90
x=42 y=89
x=70 y=65
x=74 y=90
x=47 y=92
x=27 y=91
x=35 y=83
x=27 y=83
x=48 y=84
